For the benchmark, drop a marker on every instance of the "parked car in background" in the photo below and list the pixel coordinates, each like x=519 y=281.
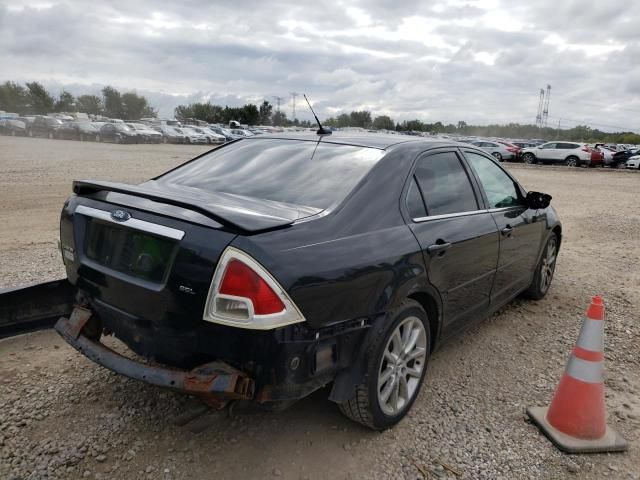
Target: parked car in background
x=145 y=133
x=83 y=131
x=12 y=127
x=633 y=162
x=597 y=158
x=571 y=154
x=607 y=154
x=620 y=158
x=192 y=136
x=212 y=137
x=117 y=133
x=43 y=126
x=241 y=132
x=170 y=134
x=500 y=151
x=226 y=133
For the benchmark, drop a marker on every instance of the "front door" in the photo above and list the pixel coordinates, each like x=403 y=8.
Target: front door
x=458 y=237
x=520 y=229
x=548 y=152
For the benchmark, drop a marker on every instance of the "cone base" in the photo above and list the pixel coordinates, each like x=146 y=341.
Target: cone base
x=610 y=442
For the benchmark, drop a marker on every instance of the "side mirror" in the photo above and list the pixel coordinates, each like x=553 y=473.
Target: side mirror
x=538 y=200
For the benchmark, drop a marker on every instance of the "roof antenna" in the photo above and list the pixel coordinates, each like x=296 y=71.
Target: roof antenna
x=321 y=130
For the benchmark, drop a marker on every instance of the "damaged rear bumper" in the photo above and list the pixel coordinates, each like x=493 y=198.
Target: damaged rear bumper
x=215 y=382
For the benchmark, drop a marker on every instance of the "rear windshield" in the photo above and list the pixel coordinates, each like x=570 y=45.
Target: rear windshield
x=298 y=172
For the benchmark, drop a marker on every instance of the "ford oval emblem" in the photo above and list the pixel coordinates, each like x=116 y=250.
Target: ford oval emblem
x=120 y=215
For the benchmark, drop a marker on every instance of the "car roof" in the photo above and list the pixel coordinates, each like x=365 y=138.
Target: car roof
x=373 y=140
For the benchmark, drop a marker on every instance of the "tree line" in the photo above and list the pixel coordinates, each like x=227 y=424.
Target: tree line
x=32 y=98
x=364 y=119
x=249 y=114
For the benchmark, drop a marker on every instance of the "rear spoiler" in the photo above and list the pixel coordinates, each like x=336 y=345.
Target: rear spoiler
x=246 y=213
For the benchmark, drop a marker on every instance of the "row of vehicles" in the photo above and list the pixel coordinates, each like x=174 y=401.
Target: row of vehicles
x=119 y=131
x=570 y=153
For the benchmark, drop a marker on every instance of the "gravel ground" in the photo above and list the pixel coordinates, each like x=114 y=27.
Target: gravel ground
x=62 y=416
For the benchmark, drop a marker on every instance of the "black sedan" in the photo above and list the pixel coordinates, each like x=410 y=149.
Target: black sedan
x=117 y=133
x=273 y=266
x=83 y=131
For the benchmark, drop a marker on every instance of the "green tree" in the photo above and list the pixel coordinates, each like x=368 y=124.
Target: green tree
x=40 y=100
x=383 y=122
x=183 y=112
x=360 y=119
x=343 y=120
x=135 y=106
x=265 y=111
x=112 y=101
x=250 y=114
x=13 y=97
x=279 y=119
x=65 y=103
x=90 y=104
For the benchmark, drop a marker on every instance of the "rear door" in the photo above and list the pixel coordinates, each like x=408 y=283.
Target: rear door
x=458 y=237
x=521 y=230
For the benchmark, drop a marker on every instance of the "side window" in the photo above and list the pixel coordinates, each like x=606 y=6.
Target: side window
x=549 y=145
x=415 y=204
x=445 y=184
x=500 y=189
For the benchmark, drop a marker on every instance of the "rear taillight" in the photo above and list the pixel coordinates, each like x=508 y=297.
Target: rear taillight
x=586 y=149
x=512 y=149
x=240 y=281
x=244 y=294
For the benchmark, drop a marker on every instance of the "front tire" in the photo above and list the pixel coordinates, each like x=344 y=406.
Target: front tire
x=544 y=270
x=397 y=358
x=571 y=162
x=529 y=158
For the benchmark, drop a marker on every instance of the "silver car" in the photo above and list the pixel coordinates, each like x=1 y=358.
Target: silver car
x=498 y=150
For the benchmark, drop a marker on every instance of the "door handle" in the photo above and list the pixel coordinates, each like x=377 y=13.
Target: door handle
x=506 y=231
x=438 y=249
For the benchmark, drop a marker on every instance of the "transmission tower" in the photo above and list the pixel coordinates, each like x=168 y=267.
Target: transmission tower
x=293 y=104
x=540 y=103
x=545 y=112
x=278 y=100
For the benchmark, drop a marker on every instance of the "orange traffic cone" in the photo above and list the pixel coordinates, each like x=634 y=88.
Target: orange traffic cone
x=576 y=419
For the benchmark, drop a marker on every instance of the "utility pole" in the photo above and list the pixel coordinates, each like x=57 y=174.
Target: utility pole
x=545 y=112
x=293 y=101
x=540 y=103
x=558 y=131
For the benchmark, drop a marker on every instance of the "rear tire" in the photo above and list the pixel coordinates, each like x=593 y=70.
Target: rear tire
x=544 y=270
x=572 y=161
x=497 y=155
x=529 y=158
x=397 y=358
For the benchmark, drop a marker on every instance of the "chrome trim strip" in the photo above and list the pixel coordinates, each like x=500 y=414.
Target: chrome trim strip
x=132 y=223
x=449 y=215
x=504 y=209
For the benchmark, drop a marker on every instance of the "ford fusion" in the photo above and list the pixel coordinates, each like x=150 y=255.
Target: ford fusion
x=276 y=265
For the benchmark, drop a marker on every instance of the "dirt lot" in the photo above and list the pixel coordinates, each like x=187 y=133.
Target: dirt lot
x=61 y=416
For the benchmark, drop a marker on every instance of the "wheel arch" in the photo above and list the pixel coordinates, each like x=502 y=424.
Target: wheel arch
x=431 y=306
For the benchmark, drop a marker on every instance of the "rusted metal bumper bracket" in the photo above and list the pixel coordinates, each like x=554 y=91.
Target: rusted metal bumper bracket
x=215 y=382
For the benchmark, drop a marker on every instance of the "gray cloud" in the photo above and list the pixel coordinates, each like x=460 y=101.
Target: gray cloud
x=476 y=60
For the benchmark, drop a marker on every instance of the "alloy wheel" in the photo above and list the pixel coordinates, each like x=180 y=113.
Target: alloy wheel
x=528 y=158
x=548 y=265
x=571 y=162
x=402 y=366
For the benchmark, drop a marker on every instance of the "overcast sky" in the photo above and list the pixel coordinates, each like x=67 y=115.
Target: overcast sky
x=480 y=61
